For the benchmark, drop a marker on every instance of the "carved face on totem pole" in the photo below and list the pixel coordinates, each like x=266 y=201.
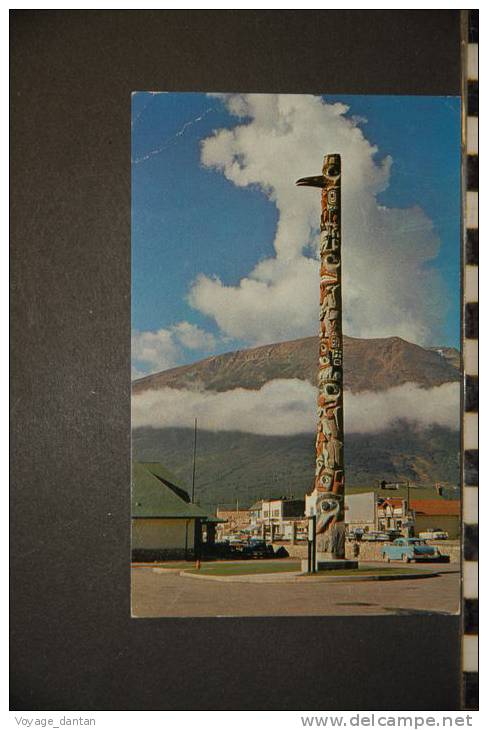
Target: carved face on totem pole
x=329 y=508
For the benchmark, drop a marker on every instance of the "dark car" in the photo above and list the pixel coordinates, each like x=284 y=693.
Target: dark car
x=257 y=548
x=355 y=534
x=393 y=534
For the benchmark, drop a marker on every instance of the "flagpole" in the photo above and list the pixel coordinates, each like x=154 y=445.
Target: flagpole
x=194 y=462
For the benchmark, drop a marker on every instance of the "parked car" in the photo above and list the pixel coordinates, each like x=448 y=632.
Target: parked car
x=374 y=536
x=355 y=534
x=235 y=546
x=257 y=548
x=434 y=533
x=412 y=549
x=237 y=541
x=393 y=534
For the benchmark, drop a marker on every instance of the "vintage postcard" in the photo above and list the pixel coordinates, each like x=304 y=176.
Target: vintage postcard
x=296 y=354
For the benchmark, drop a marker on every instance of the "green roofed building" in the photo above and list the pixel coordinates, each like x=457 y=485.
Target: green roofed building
x=165 y=523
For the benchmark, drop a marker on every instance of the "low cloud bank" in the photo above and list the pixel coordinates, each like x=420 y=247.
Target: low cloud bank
x=288 y=406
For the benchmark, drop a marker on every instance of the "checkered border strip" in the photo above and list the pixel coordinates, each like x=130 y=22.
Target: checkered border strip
x=470 y=356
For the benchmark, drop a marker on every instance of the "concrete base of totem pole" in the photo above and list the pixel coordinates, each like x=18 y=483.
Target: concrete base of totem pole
x=325 y=562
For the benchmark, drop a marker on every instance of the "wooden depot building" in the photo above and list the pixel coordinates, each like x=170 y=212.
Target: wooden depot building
x=166 y=525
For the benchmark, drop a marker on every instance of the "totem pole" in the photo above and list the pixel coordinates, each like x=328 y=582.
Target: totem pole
x=328 y=491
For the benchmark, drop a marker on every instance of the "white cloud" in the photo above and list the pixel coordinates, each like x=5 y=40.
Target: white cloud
x=388 y=290
x=192 y=337
x=163 y=349
x=158 y=350
x=375 y=411
x=279 y=407
x=286 y=407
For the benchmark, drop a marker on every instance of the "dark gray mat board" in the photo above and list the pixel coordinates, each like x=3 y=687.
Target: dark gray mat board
x=73 y=643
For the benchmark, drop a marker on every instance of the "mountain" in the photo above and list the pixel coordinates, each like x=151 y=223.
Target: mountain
x=247 y=467
x=244 y=466
x=450 y=354
x=368 y=365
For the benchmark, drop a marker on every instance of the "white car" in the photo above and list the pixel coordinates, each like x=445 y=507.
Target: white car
x=375 y=536
x=433 y=533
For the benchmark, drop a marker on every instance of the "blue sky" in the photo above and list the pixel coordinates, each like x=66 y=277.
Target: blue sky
x=202 y=225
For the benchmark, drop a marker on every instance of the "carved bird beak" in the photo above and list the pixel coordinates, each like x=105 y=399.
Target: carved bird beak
x=316 y=181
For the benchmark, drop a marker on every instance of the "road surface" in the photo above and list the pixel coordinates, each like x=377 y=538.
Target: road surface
x=156 y=594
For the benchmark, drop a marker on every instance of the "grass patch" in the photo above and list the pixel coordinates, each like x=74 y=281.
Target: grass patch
x=367 y=571
x=176 y=564
x=262 y=568
x=246 y=568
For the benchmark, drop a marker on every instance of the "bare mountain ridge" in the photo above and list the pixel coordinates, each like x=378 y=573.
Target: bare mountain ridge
x=375 y=364
x=450 y=354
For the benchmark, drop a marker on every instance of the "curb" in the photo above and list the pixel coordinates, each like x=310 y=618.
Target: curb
x=298 y=577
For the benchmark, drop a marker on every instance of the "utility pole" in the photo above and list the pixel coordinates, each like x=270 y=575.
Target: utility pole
x=329 y=472
x=194 y=462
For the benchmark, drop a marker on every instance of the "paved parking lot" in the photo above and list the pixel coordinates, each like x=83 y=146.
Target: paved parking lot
x=156 y=594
